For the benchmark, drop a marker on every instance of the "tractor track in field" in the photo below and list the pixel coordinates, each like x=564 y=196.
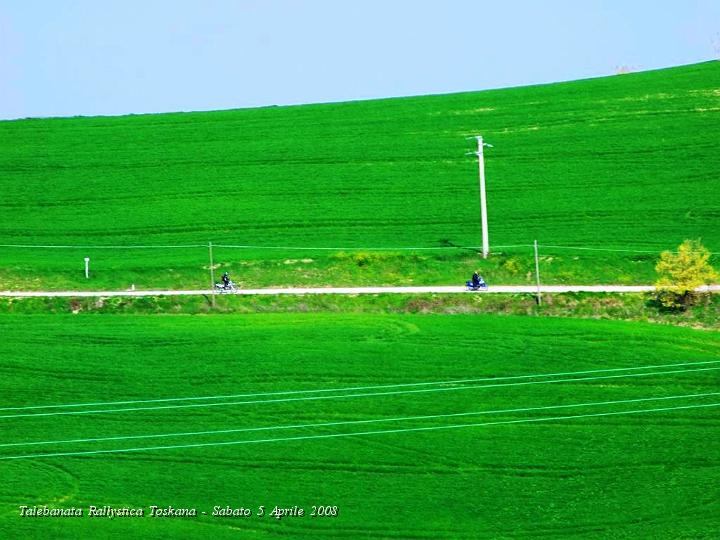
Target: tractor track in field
x=432 y=289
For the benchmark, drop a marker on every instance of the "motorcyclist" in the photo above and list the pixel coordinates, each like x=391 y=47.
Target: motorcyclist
x=226 y=280
x=476 y=279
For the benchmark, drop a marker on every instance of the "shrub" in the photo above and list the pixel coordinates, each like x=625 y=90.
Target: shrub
x=682 y=273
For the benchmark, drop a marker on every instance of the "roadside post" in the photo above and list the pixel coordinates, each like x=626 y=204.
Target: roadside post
x=87 y=267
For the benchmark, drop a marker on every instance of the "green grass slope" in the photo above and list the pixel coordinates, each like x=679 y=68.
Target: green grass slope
x=622 y=162
x=642 y=475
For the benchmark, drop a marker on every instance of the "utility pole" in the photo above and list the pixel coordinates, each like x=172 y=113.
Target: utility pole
x=537 y=274
x=212 y=275
x=483 y=200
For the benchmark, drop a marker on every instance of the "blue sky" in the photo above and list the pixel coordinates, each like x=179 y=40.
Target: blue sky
x=78 y=57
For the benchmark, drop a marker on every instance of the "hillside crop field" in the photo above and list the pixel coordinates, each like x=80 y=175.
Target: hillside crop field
x=625 y=162
x=412 y=426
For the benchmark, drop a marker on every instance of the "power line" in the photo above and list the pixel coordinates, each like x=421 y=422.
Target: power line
x=357 y=434
x=356 y=388
x=333 y=248
x=35 y=246
x=609 y=249
x=353 y=422
x=250 y=246
x=344 y=248
x=347 y=396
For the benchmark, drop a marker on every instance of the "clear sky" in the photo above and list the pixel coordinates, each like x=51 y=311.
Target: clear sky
x=90 y=57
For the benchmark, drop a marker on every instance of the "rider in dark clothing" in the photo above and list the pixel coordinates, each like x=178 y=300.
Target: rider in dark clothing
x=226 y=280
x=476 y=279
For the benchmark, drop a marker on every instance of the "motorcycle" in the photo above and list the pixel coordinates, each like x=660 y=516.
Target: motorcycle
x=223 y=289
x=481 y=286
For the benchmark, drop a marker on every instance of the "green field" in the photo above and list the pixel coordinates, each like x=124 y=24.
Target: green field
x=623 y=162
x=650 y=474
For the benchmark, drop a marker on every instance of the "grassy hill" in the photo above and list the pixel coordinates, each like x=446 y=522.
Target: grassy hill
x=652 y=473
x=625 y=162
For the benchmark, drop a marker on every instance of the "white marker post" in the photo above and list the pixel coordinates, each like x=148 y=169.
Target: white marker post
x=87 y=267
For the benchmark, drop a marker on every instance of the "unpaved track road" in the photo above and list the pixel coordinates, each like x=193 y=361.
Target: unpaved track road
x=512 y=289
